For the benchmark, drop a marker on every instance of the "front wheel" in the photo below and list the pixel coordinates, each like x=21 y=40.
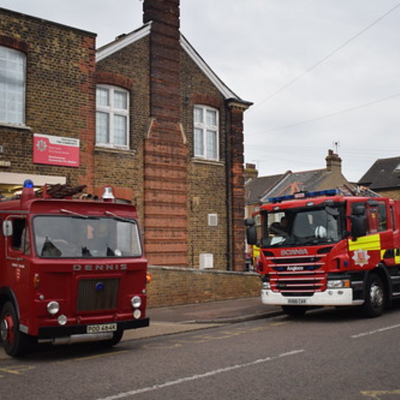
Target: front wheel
x=15 y=342
x=295 y=311
x=375 y=297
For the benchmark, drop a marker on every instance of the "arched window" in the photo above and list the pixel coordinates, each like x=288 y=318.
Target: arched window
x=206 y=133
x=12 y=86
x=112 y=116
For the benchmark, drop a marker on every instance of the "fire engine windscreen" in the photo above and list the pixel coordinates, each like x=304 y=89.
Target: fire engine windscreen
x=69 y=237
x=293 y=227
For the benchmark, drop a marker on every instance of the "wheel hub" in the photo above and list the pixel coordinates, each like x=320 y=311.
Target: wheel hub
x=376 y=296
x=4 y=330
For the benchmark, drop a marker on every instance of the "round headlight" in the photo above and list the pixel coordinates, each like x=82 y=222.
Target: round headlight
x=136 y=302
x=53 y=307
x=62 y=320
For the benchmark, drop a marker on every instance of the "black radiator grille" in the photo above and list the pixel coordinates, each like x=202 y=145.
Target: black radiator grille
x=97 y=294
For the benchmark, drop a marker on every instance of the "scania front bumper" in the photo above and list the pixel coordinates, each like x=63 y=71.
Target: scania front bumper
x=329 y=297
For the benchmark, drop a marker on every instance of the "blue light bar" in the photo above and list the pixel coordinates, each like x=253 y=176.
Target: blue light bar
x=304 y=195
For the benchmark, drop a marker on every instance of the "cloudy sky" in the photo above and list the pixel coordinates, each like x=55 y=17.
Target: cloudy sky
x=322 y=74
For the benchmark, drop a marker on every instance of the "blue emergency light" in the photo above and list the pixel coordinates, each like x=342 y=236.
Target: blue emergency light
x=28 y=184
x=304 y=195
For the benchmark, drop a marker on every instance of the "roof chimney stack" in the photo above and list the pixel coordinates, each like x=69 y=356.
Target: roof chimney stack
x=333 y=161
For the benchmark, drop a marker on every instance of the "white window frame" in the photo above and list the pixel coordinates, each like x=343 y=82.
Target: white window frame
x=12 y=86
x=112 y=112
x=206 y=130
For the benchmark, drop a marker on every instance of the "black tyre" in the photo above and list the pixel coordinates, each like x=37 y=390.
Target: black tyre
x=15 y=342
x=295 y=311
x=375 y=297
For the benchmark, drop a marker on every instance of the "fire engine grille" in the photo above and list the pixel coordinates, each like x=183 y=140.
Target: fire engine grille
x=97 y=294
x=297 y=277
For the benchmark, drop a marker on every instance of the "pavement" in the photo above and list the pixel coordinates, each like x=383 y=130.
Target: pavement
x=190 y=317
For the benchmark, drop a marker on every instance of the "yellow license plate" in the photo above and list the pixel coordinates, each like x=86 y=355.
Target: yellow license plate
x=101 y=328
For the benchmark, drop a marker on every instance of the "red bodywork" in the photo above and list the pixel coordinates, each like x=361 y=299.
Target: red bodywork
x=302 y=270
x=90 y=291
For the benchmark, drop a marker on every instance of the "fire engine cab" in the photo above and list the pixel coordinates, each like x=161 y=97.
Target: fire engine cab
x=71 y=270
x=328 y=249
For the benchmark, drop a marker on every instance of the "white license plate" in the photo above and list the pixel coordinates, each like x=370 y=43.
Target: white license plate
x=101 y=328
x=297 y=301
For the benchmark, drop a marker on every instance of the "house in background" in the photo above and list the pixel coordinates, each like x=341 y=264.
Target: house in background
x=256 y=187
x=259 y=190
x=383 y=177
x=145 y=113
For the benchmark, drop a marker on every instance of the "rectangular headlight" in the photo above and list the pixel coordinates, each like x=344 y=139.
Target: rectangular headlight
x=338 y=284
x=265 y=286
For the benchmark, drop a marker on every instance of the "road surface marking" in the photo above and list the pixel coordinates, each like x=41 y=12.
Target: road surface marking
x=17 y=370
x=377 y=394
x=199 y=376
x=380 y=330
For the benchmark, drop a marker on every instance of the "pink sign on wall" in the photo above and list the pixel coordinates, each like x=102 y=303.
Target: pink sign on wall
x=55 y=150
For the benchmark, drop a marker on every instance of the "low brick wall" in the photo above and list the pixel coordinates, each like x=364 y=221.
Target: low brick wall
x=176 y=286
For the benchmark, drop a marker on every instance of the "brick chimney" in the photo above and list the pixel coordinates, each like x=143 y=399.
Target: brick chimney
x=333 y=162
x=164 y=58
x=165 y=150
x=250 y=171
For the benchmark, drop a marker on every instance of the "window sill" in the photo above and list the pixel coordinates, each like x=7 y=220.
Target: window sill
x=15 y=126
x=106 y=149
x=208 y=162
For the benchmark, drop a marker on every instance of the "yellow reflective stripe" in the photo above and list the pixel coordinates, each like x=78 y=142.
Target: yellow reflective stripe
x=256 y=251
x=372 y=242
x=397 y=256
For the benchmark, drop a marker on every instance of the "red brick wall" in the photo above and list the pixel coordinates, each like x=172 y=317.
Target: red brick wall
x=127 y=68
x=237 y=194
x=59 y=92
x=175 y=286
x=165 y=151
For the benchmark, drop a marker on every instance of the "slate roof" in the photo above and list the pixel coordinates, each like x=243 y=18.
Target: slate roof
x=259 y=190
x=257 y=187
x=383 y=175
x=297 y=182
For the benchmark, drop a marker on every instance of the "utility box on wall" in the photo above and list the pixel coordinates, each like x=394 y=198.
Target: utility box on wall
x=206 y=261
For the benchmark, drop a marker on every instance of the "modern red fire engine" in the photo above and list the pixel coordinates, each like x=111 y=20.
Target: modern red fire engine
x=70 y=270
x=327 y=249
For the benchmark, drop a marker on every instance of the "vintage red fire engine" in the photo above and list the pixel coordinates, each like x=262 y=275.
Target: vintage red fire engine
x=71 y=270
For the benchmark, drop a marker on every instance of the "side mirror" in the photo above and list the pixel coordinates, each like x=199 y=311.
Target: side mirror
x=359 y=210
x=251 y=232
x=358 y=226
x=251 y=235
x=7 y=228
x=358 y=221
x=249 y=222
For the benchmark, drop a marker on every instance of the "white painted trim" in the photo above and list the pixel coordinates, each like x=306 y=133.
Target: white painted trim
x=9 y=178
x=195 y=56
x=118 y=45
x=145 y=30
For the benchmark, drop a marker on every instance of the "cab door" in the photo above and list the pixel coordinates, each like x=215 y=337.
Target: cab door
x=17 y=254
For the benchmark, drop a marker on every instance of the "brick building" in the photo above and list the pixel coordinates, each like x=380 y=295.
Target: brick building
x=145 y=113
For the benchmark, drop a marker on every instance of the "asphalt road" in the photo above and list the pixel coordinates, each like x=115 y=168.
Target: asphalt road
x=329 y=354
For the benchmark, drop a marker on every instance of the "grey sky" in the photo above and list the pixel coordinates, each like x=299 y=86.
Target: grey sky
x=351 y=94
